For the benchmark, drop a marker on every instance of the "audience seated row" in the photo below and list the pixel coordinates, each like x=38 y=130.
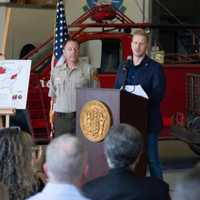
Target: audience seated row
x=65 y=165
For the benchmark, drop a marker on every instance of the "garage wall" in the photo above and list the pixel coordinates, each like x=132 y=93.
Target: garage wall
x=36 y=25
x=29 y=26
x=134 y=9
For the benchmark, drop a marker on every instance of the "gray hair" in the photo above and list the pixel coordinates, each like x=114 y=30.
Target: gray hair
x=122 y=145
x=64 y=159
x=187 y=188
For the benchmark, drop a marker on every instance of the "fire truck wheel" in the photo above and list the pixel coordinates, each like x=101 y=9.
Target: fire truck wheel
x=195 y=148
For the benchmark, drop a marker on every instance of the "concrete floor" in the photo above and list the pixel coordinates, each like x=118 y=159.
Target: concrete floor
x=177 y=159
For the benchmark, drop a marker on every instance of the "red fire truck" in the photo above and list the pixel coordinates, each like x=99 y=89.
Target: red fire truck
x=113 y=29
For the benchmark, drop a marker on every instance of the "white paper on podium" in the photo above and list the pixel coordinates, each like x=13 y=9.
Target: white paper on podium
x=137 y=90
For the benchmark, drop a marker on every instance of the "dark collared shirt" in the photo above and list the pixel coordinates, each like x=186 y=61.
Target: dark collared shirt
x=150 y=75
x=63 y=84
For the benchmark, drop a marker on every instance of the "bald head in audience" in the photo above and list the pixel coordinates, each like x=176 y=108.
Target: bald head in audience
x=64 y=160
x=64 y=167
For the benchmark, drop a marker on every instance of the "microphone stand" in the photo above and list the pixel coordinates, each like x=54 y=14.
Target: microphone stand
x=125 y=70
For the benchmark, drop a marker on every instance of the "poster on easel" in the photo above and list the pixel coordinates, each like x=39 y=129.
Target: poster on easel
x=14 y=81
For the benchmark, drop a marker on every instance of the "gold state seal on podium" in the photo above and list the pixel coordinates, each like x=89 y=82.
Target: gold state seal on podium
x=95 y=120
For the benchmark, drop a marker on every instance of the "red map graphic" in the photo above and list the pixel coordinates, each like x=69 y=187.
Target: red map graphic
x=2 y=70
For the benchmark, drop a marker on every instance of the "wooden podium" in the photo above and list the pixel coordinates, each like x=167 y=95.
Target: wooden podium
x=125 y=108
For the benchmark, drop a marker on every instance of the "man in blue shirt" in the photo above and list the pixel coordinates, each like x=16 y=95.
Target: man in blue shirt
x=64 y=168
x=150 y=75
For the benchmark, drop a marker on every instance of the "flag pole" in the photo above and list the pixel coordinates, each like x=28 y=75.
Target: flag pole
x=60 y=37
x=5 y=33
x=51 y=113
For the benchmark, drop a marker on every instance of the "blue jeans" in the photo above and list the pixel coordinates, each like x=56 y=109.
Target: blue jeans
x=153 y=155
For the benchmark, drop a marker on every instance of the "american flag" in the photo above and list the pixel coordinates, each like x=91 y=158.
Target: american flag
x=61 y=33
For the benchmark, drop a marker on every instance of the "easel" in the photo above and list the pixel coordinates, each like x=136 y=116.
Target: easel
x=5 y=33
x=6 y=112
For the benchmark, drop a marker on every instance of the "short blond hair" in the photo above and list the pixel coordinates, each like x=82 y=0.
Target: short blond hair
x=142 y=33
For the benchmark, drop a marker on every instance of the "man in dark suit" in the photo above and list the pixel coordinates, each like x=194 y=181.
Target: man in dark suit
x=123 y=146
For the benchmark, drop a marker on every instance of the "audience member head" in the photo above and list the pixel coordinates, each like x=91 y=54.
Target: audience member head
x=122 y=145
x=188 y=187
x=27 y=48
x=15 y=163
x=64 y=159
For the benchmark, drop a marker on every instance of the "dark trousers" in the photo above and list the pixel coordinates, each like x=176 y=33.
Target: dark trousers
x=64 y=123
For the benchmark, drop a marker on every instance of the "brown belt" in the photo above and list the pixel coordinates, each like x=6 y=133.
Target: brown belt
x=59 y=114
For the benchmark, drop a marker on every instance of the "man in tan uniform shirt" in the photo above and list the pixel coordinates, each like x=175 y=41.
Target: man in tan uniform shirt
x=62 y=89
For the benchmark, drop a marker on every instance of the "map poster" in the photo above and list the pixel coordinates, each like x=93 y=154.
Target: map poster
x=14 y=81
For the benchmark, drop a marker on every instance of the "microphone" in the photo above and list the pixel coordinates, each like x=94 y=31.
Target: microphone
x=125 y=69
x=128 y=62
x=129 y=59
